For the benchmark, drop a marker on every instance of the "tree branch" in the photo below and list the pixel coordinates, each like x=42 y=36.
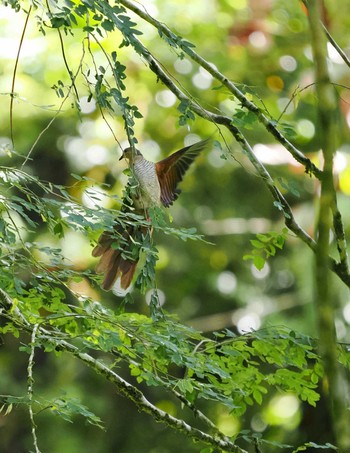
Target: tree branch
x=339 y=268
x=197 y=413
x=30 y=386
x=336 y=46
x=122 y=386
x=246 y=103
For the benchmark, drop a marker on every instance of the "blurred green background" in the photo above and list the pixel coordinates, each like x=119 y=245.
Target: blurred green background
x=261 y=45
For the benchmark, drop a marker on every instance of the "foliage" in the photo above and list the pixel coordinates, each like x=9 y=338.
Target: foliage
x=265 y=245
x=49 y=301
x=233 y=371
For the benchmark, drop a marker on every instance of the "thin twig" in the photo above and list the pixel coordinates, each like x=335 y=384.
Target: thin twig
x=115 y=77
x=30 y=381
x=14 y=75
x=338 y=224
x=336 y=46
x=64 y=54
x=67 y=66
x=49 y=124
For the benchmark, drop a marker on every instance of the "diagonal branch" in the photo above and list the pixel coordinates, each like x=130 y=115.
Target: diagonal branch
x=339 y=268
x=197 y=413
x=246 y=103
x=122 y=386
x=334 y=43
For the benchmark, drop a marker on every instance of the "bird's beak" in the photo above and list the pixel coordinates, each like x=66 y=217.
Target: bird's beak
x=121 y=157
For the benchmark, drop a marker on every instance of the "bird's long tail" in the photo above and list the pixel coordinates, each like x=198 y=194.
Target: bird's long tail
x=119 y=251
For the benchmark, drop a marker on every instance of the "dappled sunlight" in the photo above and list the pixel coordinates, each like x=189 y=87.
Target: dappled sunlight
x=248 y=323
x=274 y=154
x=95 y=196
x=283 y=410
x=165 y=98
x=227 y=282
x=227 y=423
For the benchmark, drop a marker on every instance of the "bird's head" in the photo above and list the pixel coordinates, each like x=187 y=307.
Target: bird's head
x=130 y=153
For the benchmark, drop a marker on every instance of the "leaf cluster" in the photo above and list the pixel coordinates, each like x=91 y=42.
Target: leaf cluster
x=235 y=371
x=266 y=245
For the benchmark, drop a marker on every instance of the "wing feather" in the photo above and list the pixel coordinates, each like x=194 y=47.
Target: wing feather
x=171 y=170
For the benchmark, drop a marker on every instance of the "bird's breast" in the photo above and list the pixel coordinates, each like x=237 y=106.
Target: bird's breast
x=145 y=172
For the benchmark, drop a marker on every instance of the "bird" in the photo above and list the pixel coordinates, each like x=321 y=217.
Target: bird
x=156 y=186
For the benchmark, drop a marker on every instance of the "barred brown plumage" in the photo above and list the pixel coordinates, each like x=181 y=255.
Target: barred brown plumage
x=157 y=185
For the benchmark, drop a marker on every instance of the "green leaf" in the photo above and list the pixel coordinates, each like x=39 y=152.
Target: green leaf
x=75 y=176
x=258 y=262
x=257 y=396
x=107 y=25
x=314 y=445
x=244 y=118
x=289 y=186
x=257 y=244
x=58 y=229
x=68 y=407
x=185 y=386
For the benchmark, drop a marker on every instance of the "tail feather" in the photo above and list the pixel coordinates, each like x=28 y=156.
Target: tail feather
x=119 y=257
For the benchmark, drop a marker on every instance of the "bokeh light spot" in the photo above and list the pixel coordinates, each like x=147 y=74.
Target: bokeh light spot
x=258 y=424
x=248 y=323
x=306 y=128
x=344 y=181
x=218 y=260
x=237 y=4
x=258 y=39
x=346 y=312
x=262 y=273
x=183 y=66
x=275 y=83
x=202 y=79
x=165 y=98
x=87 y=105
x=283 y=410
x=288 y=63
x=227 y=424
x=97 y=154
x=226 y=282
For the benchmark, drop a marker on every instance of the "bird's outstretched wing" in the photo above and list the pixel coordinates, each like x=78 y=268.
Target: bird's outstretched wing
x=171 y=170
